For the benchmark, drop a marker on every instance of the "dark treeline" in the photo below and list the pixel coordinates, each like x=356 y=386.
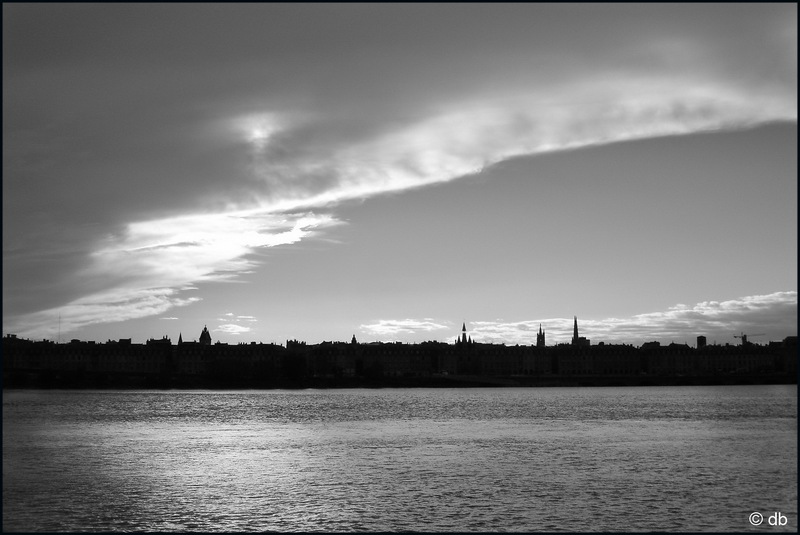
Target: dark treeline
x=161 y=364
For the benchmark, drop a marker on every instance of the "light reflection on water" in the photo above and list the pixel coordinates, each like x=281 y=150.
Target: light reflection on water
x=588 y=459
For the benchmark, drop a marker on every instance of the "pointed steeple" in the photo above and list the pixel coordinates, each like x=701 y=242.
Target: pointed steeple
x=575 y=332
x=180 y=338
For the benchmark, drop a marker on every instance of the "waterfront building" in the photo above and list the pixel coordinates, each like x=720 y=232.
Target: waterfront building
x=159 y=363
x=540 y=336
x=464 y=338
x=578 y=341
x=205 y=337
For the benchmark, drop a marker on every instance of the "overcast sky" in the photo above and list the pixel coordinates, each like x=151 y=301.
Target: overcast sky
x=316 y=171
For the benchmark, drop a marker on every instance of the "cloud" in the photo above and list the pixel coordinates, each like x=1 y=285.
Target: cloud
x=148 y=264
x=118 y=304
x=188 y=249
x=171 y=318
x=774 y=315
x=232 y=328
x=233 y=319
x=514 y=98
x=391 y=328
x=462 y=138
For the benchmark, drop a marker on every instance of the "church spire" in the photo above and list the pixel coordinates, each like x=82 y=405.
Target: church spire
x=575 y=332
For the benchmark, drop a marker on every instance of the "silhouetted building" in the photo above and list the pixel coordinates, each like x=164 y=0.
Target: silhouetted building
x=578 y=341
x=540 y=337
x=205 y=337
x=701 y=342
x=201 y=364
x=464 y=340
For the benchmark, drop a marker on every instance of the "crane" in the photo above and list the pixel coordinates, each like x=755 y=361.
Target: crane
x=744 y=336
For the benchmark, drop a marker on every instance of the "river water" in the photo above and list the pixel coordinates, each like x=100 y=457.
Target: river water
x=514 y=459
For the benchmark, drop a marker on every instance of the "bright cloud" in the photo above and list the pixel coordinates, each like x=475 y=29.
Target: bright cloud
x=234 y=321
x=151 y=261
x=392 y=328
x=232 y=328
x=119 y=304
x=203 y=247
x=461 y=138
x=774 y=315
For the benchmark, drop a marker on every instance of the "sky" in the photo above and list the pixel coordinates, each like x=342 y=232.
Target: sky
x=393 y=171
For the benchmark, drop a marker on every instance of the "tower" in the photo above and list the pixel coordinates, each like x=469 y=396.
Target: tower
x=579 y=340
x=463 y=340
x=540 y=337
x=205 y=337
x=575 y=332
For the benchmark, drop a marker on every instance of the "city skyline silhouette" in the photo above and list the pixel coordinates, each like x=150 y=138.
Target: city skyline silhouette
x=205 y=363
x=464 y=336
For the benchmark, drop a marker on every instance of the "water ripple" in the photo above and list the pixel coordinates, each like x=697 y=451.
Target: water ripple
x=615 y=459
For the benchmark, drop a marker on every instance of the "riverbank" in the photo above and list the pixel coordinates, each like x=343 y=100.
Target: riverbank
x=132 y=381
